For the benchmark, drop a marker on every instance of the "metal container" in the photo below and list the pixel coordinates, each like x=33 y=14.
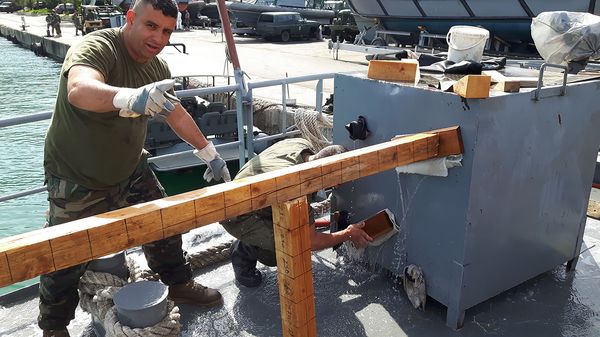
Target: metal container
x=141 y=304
x=113 y=264
x=514 y=210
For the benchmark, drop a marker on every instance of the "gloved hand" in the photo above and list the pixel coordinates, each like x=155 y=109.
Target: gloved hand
x=215 y=166
x=148 y=100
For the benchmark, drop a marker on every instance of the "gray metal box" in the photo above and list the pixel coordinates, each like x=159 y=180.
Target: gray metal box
x=515 y=209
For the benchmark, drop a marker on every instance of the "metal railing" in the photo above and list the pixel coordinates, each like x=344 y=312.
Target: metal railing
x=244 y=111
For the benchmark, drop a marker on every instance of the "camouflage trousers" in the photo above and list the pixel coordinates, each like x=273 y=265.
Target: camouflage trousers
x=69 y=201
x=255 y=230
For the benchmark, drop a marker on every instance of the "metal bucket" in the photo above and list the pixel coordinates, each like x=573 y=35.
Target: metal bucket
x=141 y=304
x=113 y=264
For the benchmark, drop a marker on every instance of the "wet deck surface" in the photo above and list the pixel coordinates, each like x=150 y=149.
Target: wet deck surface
x=355 y=300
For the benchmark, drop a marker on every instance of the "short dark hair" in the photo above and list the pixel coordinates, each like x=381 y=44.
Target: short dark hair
x=167 y=7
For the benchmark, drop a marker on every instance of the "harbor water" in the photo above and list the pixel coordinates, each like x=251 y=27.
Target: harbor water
x=28 y=85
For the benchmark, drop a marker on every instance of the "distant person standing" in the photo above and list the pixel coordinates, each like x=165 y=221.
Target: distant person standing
x=186 y=20
x=56 y=23
x=77 y=24
x=49 y=24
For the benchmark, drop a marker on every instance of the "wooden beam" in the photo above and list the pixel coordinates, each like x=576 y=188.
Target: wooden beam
x=31 y=254
x=294 y=268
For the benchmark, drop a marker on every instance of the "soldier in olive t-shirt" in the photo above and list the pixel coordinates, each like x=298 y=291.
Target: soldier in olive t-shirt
x=94 y=159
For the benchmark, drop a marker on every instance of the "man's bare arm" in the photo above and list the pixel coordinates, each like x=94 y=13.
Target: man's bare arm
x=353 y=232
x=86 y=89
x=183 y=124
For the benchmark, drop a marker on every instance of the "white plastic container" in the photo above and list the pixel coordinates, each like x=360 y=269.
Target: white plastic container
x=466 y=43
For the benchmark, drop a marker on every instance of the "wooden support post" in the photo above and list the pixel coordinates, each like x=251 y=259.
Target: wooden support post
x=294 y=268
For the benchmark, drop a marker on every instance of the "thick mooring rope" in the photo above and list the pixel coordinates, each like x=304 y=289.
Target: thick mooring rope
x=169 y=326
x=315 y=127
x=97 y=290
x=198 y=260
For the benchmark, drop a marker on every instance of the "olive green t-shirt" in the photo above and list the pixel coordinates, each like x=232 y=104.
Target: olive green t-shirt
x=99 y=150
x=285 y=153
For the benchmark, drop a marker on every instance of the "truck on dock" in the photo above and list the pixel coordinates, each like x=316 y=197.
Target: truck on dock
x=285 y=25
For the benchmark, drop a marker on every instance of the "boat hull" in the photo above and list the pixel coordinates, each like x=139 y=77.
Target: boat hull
x=508 y=19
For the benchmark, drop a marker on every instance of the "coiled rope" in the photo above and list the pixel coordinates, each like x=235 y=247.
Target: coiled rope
x=198 y=260
x=315 y=127
x=169 y=326
x=97 y=290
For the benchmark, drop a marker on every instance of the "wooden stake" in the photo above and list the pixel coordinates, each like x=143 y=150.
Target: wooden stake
x=294 y=268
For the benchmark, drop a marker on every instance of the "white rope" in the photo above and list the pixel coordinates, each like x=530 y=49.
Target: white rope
x=169 y=326
x=97 y=290
x=96 y=294
x=314 y=127
x=197 y=261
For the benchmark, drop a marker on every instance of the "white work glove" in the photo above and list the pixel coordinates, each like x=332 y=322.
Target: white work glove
x=148 y=100
x=215 y=166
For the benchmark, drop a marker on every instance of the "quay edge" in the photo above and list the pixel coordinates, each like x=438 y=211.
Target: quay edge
x=51 y=47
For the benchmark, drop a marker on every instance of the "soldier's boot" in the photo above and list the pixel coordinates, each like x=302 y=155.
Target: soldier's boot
x=243 y=261
x=196 y=294
x=56 y=333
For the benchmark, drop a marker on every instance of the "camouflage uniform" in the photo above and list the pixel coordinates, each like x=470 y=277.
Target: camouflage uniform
x=256 y=228
x=68 y=202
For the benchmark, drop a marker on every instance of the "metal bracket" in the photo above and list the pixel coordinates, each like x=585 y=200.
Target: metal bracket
x=540 y=84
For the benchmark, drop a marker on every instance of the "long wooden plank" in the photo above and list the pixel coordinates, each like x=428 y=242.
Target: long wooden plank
x=28 y=255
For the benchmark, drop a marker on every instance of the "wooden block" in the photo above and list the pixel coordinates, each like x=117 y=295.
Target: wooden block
x=5 y=276
x=510 y=83
x=71 y=249
x=238 y=209
x=392 y=70
x=311 y=186
x=292 y=242
x=296 y=289
x=293 y=266
x=473 y=86
x=30 y=261
x=181 y=227
x=368 y=164
x=144 y=228
x=108 y=239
